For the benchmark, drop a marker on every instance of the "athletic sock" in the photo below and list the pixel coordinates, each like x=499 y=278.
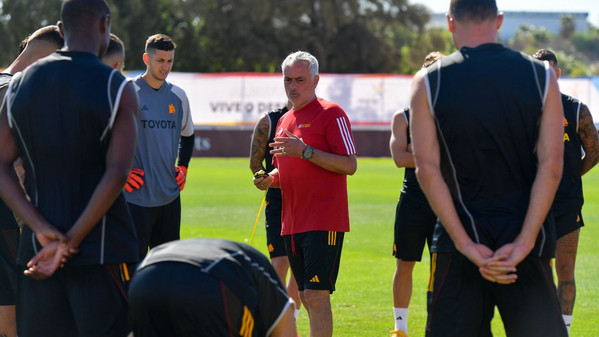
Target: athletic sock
x=568 y=321
x=401 y=319
x=296 y=313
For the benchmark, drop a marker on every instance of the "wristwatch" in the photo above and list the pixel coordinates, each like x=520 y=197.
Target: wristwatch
x=308 y=153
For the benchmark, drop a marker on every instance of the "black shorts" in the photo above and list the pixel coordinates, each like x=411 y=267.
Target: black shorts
x=314 y=258
x=461 y=302
x=567 y=223
x=75 y=301
x=414 y=225
x=156 y=225
x=274 y=239
x=179 y=299
x=9 y=240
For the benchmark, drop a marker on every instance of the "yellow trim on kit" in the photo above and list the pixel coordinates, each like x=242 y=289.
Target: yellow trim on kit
x=332 y=238
x=431 y=275
x=125 y=271
x=247 y=323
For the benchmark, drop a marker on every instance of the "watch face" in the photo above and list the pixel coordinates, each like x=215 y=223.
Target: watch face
x=308 y=152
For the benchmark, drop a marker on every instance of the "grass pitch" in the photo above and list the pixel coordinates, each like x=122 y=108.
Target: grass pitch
x=220 y=201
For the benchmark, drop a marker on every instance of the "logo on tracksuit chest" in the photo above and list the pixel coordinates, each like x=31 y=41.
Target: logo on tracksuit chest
x=159 y=123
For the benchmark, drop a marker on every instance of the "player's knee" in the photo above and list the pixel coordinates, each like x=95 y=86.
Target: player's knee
x=404 y=267
x=565 y=270
x=403 y=271
x=315 y=298
x=301 y=296
x=280 y=262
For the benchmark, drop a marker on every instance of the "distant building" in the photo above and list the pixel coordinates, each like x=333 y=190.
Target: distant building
x=513 y=20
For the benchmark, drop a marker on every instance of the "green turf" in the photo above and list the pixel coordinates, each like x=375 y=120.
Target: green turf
x=220 y=200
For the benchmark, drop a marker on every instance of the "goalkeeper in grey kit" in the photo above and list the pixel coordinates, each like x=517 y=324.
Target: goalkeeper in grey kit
x=165 y=137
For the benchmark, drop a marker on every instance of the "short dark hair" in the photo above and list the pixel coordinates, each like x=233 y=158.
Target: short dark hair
x=473 y=10
x=546 y=55
x=23 y=44
x=49 y=34
x=78 y=14
x=431 y=58
x=114 y=46
x=160 y=42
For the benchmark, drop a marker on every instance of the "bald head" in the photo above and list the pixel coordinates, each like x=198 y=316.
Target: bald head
x=85 y=26
x=82 y=14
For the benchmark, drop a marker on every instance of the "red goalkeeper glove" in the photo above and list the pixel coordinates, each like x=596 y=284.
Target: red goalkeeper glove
x=181 y=176
x=135 y=180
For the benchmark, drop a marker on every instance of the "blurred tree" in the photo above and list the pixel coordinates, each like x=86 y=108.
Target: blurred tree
x=571 y=57
x=572 y=66
x=347 y=36
x=236 y=35
x=529 y=39
x=245 y=35
x=587 y=45
x=19 y=18
x=133 y=21
x=415 y=50
x=567 y=26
